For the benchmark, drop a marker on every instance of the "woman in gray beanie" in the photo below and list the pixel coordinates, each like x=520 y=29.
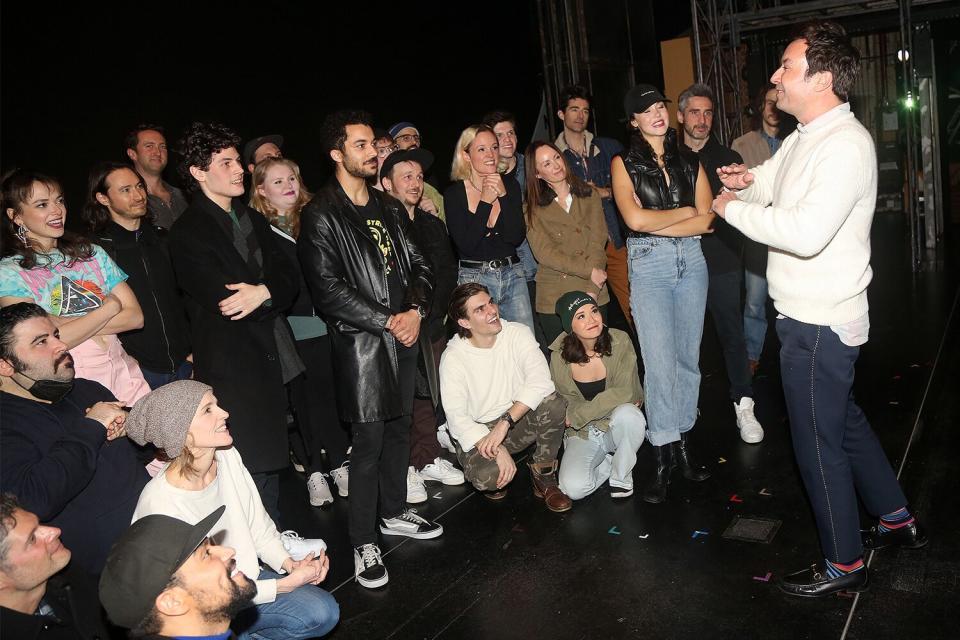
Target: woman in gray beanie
x=205 y=471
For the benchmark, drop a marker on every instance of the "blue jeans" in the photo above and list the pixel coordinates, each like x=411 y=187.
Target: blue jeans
x=603 y=455
x=154 y=379
x=508 y=288
x=837 y=452
x=306 y=612
x=529 y=263
x=668 y=298
x=755 y=313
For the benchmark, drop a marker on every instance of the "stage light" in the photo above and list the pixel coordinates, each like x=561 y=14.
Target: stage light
x=908 y=102
x=903 y=54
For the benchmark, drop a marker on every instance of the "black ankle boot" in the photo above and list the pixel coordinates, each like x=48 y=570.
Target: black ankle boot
x=690 y=469
x=656 y=491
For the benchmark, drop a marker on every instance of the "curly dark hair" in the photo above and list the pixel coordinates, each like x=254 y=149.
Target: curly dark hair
x=829 y=49
x=97 y=215
x=333 y=131
x=199 y=143
x=572 y=350
x=573 y=92
x=17 y=187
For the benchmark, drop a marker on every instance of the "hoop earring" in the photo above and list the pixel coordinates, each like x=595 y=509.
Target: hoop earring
x=22 y=234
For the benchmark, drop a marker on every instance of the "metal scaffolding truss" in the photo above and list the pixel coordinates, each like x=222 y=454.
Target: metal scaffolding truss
x=716 y=50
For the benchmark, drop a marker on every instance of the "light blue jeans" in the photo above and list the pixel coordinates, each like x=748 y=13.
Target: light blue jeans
x=589 y=462
x=508 y=288
x=306 y=612
x=668 y=298
x=755 y=313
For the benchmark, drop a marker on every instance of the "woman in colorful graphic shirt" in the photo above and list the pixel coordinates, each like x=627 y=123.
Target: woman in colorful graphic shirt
x=81 y=288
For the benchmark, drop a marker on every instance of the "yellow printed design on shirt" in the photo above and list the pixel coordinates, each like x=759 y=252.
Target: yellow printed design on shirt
x=382 y=238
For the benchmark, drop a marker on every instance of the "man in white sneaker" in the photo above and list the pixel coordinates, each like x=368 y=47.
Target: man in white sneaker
x=722 y=250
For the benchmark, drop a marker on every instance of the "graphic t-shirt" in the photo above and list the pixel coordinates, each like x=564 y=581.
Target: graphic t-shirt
x=378 y=231
x=62 y=289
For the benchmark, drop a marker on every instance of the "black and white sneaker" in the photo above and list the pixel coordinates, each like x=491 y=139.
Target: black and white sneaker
x=368 y=567
x=411 y=525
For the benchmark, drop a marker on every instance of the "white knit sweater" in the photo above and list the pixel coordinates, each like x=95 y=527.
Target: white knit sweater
x=812 y=203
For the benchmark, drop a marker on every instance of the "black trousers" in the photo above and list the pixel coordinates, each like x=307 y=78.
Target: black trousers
x=726 y=308
x=379 y=460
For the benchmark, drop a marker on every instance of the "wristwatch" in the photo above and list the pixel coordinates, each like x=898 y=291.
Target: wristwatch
x=506 y=416
x=419 y=310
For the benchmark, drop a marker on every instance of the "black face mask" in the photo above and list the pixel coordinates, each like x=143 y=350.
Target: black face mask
x=49 y=390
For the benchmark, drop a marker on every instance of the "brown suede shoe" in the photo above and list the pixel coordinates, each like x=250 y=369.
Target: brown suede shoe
x=544 y=479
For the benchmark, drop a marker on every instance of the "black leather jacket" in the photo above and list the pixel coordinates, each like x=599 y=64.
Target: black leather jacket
x=650 y=184
x=344 y=270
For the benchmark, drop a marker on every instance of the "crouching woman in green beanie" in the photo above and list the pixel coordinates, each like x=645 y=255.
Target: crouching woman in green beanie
x=595 y=369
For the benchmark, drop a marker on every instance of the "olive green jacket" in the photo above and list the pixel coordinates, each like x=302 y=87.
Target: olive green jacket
x=623 y=385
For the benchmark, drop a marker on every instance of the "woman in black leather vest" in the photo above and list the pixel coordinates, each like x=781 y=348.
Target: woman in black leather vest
x=664 y=197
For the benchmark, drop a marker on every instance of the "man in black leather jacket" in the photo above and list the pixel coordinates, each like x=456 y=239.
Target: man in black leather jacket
x=373 y=285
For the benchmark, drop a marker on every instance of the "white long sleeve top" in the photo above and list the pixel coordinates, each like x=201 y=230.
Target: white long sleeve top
x=812 y=203
x=245 y=525
x=478 y=385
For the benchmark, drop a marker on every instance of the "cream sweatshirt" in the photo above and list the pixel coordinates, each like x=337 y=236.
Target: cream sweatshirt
x=812 y=203
x=478 y=385
x=244 y=525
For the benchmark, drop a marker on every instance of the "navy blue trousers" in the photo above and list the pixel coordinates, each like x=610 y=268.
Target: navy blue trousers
x=838 y=454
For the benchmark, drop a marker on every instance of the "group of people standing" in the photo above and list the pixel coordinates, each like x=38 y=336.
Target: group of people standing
x=336 y=306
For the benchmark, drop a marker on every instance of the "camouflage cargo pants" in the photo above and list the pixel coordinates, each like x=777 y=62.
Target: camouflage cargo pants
x=543 y=426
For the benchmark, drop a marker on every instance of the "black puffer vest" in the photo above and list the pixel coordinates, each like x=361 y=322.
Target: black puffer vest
x=650 y=184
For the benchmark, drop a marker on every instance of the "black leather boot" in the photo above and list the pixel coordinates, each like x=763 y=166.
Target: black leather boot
x=690 y=469
x=656 y=491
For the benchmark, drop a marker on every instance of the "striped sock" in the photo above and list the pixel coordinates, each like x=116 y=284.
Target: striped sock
x=835 y=569
x=899 y=518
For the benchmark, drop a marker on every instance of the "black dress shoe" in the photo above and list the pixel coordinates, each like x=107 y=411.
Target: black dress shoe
x=813 y=582
x=690 y=469
x=911 y=536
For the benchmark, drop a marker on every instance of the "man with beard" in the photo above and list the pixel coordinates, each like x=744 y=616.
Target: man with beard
x=722 y=250
x=61 y=447
x=116 y=211
x=373 y=284
x=147 y=149
x=165 y=579
x=402 y=177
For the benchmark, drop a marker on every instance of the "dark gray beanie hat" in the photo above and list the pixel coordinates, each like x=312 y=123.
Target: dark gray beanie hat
x=163 y=416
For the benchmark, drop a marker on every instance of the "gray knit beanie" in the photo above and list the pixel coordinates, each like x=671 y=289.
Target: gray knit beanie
x=163 y=416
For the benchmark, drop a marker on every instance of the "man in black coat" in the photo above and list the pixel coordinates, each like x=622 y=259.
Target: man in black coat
x=61 y=447
x=236 y=283
x=116 y=212
x=373 y=285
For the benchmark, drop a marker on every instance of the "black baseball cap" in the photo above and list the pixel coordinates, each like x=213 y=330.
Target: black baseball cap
x=421 y=156
x=639 y=99
x=142 y=561
x=250 y=148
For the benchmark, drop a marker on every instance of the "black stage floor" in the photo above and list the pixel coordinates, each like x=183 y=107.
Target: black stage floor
x=634 y=570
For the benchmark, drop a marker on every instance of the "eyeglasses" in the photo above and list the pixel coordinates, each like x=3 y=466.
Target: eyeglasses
x=383 y=152
x=407 y=137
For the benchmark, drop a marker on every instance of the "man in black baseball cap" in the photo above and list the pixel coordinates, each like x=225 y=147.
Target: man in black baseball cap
x=640 y=98
x=257 y=149
x=164 y=578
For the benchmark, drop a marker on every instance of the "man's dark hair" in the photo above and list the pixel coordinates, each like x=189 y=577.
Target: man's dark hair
x=457 y=309
x=696 y=90
x=199 y=143
x=333 y=131
x=494 y=118
x=8 y=505
x=10 y=317
x=573 y=92
x=829 y=49
x=132 y=138
x=97 y=215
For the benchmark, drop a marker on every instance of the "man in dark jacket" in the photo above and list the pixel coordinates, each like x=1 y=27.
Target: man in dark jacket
x=236 y=283
x=116 y=212
x=373 y=284
x=402 y=177
x=61 y=450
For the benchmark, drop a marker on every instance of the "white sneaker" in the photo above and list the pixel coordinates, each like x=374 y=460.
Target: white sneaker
x=411 y=525
x=319 y=490
x=416 y=491
x=443 y=437
x=341 y=478
x=368 y=567
x=298 y=547
x=750 y=430
x=442 y=470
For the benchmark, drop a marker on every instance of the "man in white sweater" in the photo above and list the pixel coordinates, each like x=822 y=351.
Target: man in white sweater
x=499 y=399
x=812 y=203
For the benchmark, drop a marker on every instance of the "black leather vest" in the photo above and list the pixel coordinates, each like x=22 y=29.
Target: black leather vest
x=650 y=184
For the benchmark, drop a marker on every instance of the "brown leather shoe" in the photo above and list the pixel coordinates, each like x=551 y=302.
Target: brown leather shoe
x=495 y=496
x=544 y=479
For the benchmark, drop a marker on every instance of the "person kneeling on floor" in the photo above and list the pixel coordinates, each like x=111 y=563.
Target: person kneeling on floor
x=595 y=370
x=499 y=399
